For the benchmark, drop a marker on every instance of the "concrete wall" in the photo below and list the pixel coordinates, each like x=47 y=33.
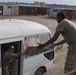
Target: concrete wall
x=53 y=12
x=10 y=10
x=70 y=13
x=7 y=10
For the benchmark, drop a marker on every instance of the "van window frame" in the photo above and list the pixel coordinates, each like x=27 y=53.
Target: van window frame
x=11 y=39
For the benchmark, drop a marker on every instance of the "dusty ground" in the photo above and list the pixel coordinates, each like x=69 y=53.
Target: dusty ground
x=51 y=24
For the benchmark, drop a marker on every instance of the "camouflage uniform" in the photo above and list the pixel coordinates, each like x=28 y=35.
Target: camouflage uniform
x=6 y=61
x=70 y=63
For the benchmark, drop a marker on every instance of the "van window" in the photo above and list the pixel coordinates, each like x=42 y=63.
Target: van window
x=32 y=43
x=44 y=38
x=55 y=10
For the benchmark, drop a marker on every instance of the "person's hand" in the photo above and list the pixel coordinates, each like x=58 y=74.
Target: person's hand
x=16 y=60
x=19 y=54
x=53 y=45
x=40 y=46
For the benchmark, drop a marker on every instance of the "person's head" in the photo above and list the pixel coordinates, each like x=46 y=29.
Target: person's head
x=11 y=49
x=60 y=16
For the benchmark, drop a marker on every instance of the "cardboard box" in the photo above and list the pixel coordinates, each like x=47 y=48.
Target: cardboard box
x=31 y=50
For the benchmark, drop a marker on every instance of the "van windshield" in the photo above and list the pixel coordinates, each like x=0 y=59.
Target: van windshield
x=44 y=38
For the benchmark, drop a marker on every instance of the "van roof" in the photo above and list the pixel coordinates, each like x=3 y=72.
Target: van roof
x=14 y=28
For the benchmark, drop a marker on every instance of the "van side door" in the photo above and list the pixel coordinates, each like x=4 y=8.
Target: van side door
x=0 y=62
x=16 y=63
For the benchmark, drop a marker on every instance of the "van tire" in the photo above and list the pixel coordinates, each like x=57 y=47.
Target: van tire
x=39 y=71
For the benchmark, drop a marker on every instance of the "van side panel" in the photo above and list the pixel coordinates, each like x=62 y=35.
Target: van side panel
x=31 y=64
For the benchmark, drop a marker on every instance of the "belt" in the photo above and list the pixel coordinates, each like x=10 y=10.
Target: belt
x=5 y=68
x=72 y=43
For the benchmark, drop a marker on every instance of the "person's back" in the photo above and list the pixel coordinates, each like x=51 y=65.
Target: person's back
x=68 y=29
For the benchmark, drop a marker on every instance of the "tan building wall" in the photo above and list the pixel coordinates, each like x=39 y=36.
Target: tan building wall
x=42 y=3
x=15 y=10
x=37 y=3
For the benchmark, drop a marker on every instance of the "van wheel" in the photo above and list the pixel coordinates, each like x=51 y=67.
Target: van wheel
x=39 y=71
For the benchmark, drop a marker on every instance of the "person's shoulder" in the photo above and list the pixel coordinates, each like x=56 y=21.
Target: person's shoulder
x=65 y=21
x=7 y=53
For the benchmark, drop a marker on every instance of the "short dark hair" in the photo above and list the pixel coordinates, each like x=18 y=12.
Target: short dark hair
x=61 y=15
x=9 y=45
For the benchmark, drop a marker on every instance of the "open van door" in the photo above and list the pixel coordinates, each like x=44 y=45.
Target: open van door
x=15 y=68
x=0 y=62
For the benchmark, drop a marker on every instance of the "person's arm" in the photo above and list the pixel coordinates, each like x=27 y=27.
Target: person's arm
x=15 y=55
x=16 y=60
x=53 y=39
x=59 y=43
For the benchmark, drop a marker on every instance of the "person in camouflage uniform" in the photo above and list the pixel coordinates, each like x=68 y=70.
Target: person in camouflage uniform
x=70 y=63
x=8 y=57
x=68 y=30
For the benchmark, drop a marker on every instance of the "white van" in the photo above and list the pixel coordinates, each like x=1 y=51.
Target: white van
x=24 y=34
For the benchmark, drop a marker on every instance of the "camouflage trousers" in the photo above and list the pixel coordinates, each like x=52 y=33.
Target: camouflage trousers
x=6 y=72
x=70 y=63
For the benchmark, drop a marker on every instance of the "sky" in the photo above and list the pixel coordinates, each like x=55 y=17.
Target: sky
x=63 y=2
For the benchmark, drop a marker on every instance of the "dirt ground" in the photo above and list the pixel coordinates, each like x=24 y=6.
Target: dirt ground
x=51 y=24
